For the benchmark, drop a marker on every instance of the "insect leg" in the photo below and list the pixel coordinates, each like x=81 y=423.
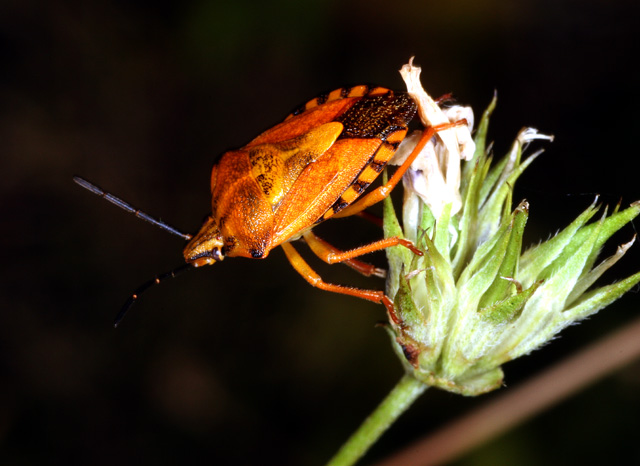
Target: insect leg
x=314 y=279
x=383 y=191
x=331 y=255
x=327 y=252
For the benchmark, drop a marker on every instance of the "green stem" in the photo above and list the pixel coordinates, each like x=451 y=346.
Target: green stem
x=406 y=391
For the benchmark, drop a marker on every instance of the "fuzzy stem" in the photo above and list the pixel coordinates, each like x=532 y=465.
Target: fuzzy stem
x=406 y=391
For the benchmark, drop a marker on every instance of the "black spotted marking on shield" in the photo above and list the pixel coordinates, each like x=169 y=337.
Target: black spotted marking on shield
x=344 y=92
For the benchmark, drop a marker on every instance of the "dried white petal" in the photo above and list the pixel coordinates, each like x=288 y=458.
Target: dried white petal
x=531 y=134
x=436 y=176
x=463 y=134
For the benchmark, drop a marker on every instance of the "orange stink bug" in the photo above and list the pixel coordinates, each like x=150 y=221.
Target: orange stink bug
x=311 y=167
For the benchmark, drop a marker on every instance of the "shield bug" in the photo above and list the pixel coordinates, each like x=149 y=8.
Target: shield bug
x=311 y=167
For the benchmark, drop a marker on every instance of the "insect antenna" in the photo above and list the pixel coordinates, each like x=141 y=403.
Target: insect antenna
x=144 y=287
x=154 y=221
x=129 y=208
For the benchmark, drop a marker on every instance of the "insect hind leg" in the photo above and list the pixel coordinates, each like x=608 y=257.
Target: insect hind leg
x=312 y=277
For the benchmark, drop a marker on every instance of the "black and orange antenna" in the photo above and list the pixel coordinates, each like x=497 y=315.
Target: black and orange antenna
x=144 y=287
x=148 y=218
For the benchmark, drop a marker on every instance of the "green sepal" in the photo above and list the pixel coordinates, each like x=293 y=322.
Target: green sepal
x=493 y=210
x=441 y=237
x=589 y=278
x=485 y=254
x=477 y=384
x=433 y=289
x=538 y=258
x=427 y=220
x=587 y=305
x=605 y=227
x=411 y=318
x=597 y=299
x=473 y=177
x=395 y=256
x=480 y=139
x=561 y=275
x=611 y=225
x=468 y=222
x=391 y=225
x=472 y=291
x=508 y=309
x=500 y=287
x=493 y=174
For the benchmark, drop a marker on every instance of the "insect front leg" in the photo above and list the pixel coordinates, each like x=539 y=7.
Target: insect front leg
x=314 y=279
x=381 y=192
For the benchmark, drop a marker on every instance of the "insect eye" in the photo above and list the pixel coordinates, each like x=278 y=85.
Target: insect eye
x=217 y=254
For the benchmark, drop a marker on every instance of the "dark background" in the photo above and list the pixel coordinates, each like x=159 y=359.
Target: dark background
x=243 y=362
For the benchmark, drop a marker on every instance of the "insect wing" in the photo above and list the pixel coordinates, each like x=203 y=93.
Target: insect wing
x=320 y=185
x=374 y=126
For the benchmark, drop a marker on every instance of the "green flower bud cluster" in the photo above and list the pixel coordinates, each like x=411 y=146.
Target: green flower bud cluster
x=475 y=300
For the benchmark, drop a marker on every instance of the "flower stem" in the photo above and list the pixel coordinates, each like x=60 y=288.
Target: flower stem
x=406 y=391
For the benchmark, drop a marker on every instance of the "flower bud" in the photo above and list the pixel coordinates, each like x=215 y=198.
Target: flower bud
x=475 y=300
